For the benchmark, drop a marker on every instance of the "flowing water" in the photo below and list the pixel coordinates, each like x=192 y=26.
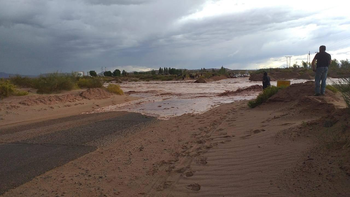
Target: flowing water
x=166 y=99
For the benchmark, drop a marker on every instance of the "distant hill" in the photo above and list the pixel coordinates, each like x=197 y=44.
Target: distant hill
x=7 y=75
x=4 y=75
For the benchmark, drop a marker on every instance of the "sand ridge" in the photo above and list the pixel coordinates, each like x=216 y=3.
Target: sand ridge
x=36 y=108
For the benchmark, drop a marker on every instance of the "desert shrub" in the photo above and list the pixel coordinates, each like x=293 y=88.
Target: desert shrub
x=9 y=89
x=262 y=97
x=55 y=82
x=332 y=88
x=6 y=88
x=344 y=87
x=20 y=93
x=114 y=88
x=89 y=82
x=208 y=75
x=20 y=81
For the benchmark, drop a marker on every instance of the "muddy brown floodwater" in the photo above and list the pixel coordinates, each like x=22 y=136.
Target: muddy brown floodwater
x=166 y=99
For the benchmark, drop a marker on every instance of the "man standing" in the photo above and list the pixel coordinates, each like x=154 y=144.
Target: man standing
x=323 y=61
x=266 y=81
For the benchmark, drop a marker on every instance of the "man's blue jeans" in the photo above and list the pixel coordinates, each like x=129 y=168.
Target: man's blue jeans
x=321 y=75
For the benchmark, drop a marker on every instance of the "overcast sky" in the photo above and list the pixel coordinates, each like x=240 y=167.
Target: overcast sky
x=42 y=36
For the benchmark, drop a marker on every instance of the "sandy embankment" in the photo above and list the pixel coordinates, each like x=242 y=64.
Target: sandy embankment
x=228 y=151
x=35 y=108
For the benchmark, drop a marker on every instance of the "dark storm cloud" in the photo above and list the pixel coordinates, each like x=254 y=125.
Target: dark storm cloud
x=118 y=2
x=245 y=38
x=69 y=35
x=38 y=36
x=222 y=36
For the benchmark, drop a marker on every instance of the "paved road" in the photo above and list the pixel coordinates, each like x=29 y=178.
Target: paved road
x=23 y=160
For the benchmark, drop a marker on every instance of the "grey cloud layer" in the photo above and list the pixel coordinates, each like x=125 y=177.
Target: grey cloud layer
x=38 y=36
x=118 y=2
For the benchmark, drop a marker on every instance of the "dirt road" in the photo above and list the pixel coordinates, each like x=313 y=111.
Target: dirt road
x=30 y=150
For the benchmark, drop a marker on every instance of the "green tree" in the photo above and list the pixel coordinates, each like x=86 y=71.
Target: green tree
x=107 y=74
x=166 y=71
x=93 y=73
x=178 y=72
x=116 y=73
x=172 y=71
x=295 y=65
x=345 y=63
x=124 y=73
x=222 y=70
x=305 y=64
x=334 y=64
x=160 y=71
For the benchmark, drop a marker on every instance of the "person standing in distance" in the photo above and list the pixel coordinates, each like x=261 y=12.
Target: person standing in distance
x=266 y=81
x=323 y=61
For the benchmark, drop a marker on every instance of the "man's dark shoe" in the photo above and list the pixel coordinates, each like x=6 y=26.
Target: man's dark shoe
x=317 y=94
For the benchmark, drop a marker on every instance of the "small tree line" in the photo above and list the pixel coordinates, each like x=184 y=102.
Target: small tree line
x=335 y=64
x=115 y=73
x=169 y=71
x=161 y=71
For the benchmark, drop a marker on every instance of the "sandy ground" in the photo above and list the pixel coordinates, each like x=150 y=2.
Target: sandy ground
x=231 y=150
x=36 y=108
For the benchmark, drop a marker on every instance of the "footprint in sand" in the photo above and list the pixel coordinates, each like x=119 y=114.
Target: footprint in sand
x=230 y=120
x=165 y=185
x=201 y=160
x=287 y=123
x=200 y=141
x=209 y=146
x=189 y=174
x=181 y=170
x=221 y=129
x=258 y=131
x=246 y=136
x=215 y=144
x=194 y=187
